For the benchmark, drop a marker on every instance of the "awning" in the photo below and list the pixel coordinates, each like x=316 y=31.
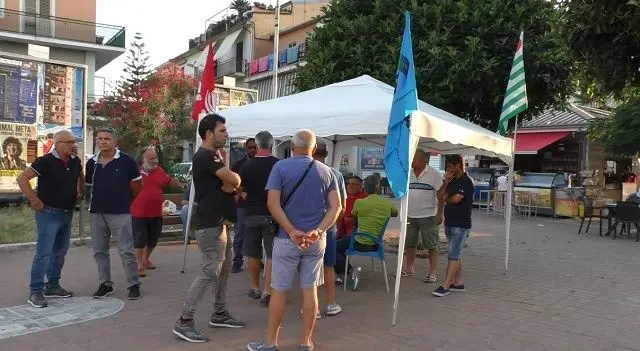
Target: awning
x=227 y=44
x=531 y=143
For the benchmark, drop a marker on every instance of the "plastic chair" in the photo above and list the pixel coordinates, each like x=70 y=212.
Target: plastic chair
x=378 y=253
x=627 y=213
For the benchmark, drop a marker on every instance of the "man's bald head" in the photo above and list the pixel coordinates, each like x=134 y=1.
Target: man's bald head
x=63 y=135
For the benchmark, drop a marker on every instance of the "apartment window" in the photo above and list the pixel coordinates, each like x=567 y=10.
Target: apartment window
x=40 y=24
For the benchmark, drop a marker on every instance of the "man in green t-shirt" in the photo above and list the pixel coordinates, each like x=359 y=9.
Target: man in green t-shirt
x=369 y=216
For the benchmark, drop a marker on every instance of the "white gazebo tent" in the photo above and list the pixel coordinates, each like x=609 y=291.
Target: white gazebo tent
x=356 y=113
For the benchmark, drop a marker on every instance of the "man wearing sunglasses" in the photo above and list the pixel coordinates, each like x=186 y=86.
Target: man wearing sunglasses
x=60 y=185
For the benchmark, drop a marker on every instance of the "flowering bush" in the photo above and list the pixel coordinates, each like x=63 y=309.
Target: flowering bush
x=157 y=110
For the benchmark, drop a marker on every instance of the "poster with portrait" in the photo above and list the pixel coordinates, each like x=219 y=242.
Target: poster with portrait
x=18 y=149
x=18 y=91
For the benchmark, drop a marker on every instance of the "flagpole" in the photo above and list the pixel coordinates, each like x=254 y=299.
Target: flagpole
x=404 y=207
x=276 y=59
x=509 y=201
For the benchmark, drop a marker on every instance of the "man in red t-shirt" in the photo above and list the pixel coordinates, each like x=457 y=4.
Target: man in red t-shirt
x=146 y=209
x=355 y=191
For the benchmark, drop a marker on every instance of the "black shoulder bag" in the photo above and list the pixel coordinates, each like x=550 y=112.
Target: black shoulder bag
x=295 y=187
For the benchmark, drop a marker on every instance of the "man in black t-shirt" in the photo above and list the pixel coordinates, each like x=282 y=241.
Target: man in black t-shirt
x=238 y=228
x=457 y=193
x=215 y=188
x=60 y=185
x=258 y=224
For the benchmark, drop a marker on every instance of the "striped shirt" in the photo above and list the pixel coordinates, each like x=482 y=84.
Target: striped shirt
x=423 y=201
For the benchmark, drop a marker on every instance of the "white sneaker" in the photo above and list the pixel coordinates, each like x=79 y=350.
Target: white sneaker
x=333 y=309
x=355 y=277
x=318 y=314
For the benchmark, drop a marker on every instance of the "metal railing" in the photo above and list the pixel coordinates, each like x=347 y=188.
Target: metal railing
x=62 y=28
x=230 y=66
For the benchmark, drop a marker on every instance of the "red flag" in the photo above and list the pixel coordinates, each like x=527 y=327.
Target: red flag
x=205 y=100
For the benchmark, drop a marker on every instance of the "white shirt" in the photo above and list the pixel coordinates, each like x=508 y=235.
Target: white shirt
x=423 y=201
x=503 y=183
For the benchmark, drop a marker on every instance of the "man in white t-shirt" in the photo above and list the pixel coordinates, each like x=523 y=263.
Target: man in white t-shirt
x=503 y=182
x=424 y=214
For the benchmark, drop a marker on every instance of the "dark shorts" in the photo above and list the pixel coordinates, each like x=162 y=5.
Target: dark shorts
x=330 y=251
x=258 y=230
x=146 y=232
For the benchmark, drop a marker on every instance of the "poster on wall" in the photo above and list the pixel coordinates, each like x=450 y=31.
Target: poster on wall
x=371 y=158
x=58 y=84
x=19 y=144
x=18 y=91
x=230 y=97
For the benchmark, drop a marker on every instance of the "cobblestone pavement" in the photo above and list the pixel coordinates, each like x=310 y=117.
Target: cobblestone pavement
x=563 y=291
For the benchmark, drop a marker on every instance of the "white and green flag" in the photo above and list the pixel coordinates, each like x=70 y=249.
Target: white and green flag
x=515 y=98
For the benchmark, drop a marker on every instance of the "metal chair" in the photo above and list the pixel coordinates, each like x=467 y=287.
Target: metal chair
x=378 y=253
x=589 y=213
x=627 y=213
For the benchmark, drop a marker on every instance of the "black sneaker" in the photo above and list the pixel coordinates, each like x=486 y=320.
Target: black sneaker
x=187 y=331
x=254 y=294
x=57 y=291
x=134 y=292
x=37 y=300
x=459 y=288
x=103 y=291
x=264 y=300
x=236 y=269
x=225 y=320
x=440 y=291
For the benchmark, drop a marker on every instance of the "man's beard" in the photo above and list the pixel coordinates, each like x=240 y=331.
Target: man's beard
x=148 y=166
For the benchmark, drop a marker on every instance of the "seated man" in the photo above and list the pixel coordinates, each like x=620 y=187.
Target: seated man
x=355 y=191
x=369 y=215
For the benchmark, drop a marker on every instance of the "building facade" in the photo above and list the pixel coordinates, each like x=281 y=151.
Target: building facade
x=67 y=28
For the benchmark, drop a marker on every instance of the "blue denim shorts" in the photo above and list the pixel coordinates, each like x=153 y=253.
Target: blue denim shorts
x=456 y=237
x=288 y=260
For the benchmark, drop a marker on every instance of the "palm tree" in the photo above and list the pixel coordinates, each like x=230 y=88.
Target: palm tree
x=240 y=6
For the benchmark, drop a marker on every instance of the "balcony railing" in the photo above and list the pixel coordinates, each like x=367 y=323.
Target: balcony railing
x=229 y=67
x=62 y=28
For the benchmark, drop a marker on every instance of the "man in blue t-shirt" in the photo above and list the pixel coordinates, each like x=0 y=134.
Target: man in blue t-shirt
x=457 y=194
x=303 y=198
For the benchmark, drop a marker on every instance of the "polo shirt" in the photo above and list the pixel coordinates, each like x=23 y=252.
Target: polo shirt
x=57 y=180
x=111 y=183
x=423 y=199
x=459 y=215
x=148 y=203
x=254 y=175
x=307 y=206
x=372 y=212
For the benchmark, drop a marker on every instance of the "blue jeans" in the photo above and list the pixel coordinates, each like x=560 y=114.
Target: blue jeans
x=238 y=236
x=456 y=237
x=54 y=233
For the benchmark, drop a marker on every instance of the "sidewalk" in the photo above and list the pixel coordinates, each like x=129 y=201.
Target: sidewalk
x=563 y=291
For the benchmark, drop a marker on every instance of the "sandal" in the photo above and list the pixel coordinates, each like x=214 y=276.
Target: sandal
x=142 y=272
x=149 y=265
x=430 y=279
x=405 y=274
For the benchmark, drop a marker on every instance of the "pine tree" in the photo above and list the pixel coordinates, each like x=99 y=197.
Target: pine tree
x=137 y=68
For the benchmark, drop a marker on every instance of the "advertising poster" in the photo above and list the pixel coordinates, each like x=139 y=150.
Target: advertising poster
x=18 y=91
x=371 y=158
x=58 y=85
x=77 y=98
x=19 y=145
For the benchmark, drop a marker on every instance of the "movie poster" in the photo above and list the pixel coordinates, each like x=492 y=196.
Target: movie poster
x=18 y=91
x=371 y=158
x=19 y=149
x=58 y=82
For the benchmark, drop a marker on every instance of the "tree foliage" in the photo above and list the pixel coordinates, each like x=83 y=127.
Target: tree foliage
x=161 y=114
x=137 y=67
x=619 y=134
x=604 y=37
x=240 y=6
x=463 y=51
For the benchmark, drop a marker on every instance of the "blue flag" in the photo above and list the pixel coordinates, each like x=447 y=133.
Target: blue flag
x=405 y=101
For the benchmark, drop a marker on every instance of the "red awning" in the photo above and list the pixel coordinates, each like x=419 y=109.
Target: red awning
x=531 y=143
